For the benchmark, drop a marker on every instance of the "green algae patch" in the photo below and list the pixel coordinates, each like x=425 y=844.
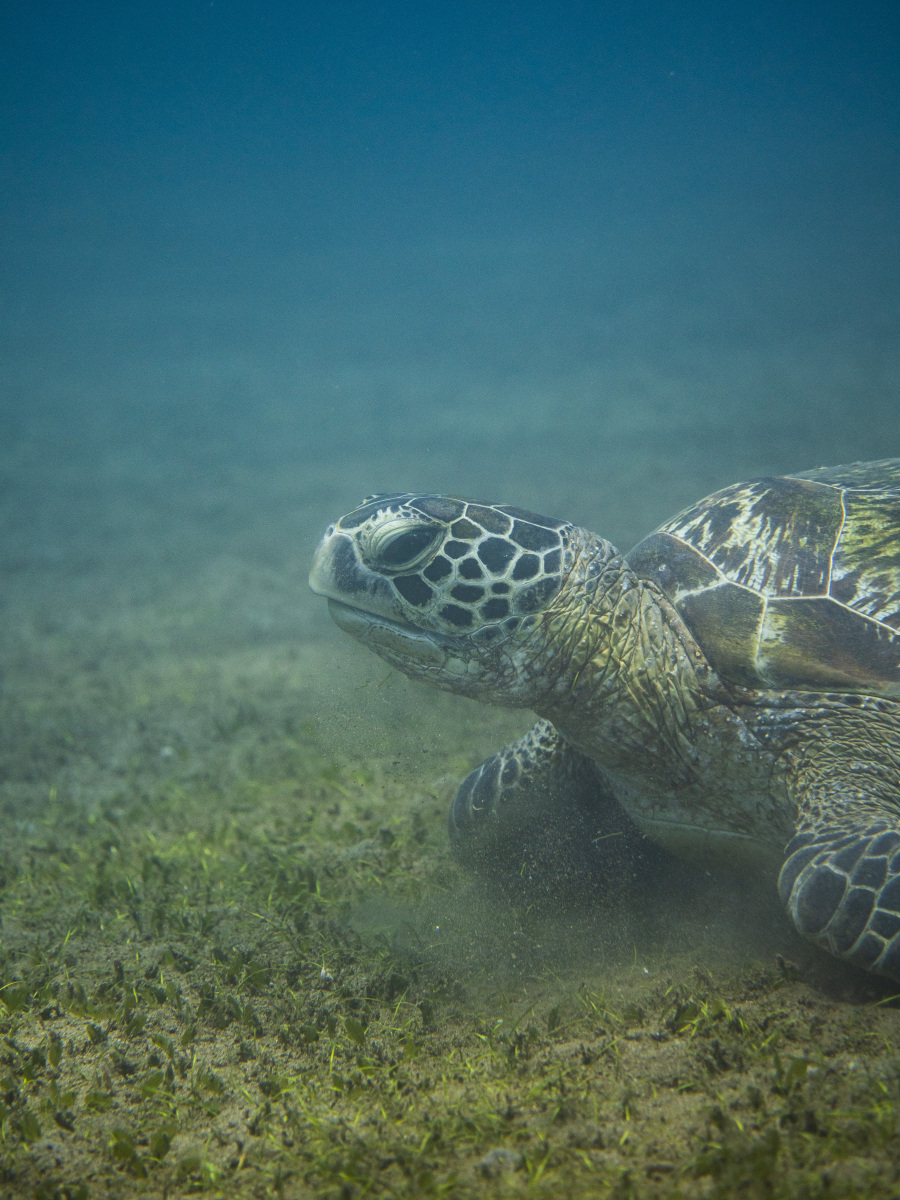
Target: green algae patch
x=235 y=963
x=199 y=1008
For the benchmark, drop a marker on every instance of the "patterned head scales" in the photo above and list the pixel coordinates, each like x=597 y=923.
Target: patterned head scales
x=452 y=567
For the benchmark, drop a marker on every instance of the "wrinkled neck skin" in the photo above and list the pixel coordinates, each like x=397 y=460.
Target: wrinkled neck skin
x=625 y=682
x=609 y=662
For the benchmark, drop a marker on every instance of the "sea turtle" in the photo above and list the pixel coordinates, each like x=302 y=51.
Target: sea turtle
x=733 y=681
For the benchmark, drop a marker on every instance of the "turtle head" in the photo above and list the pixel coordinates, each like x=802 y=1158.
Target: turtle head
x=450 y=591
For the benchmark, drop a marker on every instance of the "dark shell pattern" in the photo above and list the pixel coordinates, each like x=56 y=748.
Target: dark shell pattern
x=791 y=582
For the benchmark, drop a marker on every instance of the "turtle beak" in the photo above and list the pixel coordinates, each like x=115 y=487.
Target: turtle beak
x=320 y=571
x=399 y=643
x=361 y=603
x=338 y=574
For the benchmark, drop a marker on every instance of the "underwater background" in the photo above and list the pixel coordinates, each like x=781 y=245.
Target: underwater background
x=258 y=261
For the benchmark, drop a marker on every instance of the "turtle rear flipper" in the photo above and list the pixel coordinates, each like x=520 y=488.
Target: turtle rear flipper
x=537 y=820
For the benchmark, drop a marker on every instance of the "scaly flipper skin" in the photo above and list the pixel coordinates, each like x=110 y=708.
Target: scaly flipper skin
x=538 y=818
x=841 y=879
x=841 y=888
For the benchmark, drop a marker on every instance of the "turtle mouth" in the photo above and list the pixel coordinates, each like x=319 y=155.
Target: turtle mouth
x=387 y=634
x=352 y=619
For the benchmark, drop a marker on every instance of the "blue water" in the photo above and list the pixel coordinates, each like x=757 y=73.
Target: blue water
x=258 y=260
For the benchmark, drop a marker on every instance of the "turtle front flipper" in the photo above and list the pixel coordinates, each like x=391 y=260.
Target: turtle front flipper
x=538 y=818
x=841 y=887
x=840 y=881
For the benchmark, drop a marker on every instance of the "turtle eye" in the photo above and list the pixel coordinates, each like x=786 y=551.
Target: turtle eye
x=393 y=549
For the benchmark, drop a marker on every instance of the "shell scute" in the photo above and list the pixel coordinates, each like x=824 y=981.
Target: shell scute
x=818 y=645
x=673 y=565
x=775 y=536
x=791 y=582
x=866 y=569
x=731 y=618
